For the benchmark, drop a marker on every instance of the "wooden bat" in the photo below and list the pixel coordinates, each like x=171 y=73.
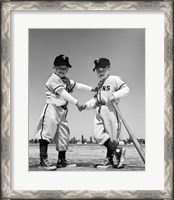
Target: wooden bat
x=132 y=136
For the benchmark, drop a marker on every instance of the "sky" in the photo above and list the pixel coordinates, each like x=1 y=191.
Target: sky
x=125 y=48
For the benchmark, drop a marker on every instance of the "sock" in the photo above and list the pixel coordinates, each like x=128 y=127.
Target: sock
x=109 y=153
x=62 y=154
x=111 y=147
x=43 y=144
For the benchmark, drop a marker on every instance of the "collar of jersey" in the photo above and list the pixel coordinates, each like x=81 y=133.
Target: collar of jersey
x=102 y=81
x=62 y=78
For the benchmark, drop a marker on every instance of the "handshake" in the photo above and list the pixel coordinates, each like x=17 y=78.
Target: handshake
x=80 y=106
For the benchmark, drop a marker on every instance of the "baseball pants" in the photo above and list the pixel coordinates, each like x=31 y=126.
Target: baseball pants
x=106 y=124
x=53 y=126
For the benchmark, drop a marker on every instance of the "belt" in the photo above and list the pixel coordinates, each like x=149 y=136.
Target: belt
x=64 y=107
x=98 y=104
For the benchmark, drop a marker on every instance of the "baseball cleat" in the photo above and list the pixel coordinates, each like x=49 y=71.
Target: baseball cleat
x=45 y=165
x=120 y=156
x=64 y=163
x=108 y=163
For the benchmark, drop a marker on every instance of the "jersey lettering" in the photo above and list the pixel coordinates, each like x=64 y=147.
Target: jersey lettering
x=106 y=88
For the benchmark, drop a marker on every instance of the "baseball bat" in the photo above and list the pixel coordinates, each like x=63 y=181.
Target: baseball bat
x=132 y=136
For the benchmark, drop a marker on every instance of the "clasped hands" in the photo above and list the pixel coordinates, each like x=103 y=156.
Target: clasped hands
x=83 y=106
x=80 y=106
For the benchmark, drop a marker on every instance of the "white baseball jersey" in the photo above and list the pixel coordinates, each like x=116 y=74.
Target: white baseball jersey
x=107 y=122
x=54 y=85
x=53 y=125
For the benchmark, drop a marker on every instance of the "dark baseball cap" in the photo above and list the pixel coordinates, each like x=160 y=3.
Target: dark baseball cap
x=62 y=60
x=101 y=63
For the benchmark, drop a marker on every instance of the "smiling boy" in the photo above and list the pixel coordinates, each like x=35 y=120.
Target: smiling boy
x=53 y=125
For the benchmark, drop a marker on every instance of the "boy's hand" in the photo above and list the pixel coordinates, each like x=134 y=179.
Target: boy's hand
x=111 y=98
x=83 y=107
x=80 y=106
x=94 y=89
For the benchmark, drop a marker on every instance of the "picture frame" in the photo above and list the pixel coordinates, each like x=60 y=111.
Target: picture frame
x=6 y=118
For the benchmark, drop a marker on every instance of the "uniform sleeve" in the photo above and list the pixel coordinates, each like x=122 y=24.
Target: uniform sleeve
x=55 y=84
x=83 y=87
x=63 y=93
x=91 y=104
x=122 y=92
x=119 y=82
x=122 y=89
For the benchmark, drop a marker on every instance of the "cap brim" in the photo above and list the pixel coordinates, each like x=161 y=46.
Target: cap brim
x=64 y=64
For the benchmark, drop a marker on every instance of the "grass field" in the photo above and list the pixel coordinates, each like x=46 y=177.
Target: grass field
x=86 y=156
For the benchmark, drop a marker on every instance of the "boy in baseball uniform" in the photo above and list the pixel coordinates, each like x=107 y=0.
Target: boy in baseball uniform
x=53 y=125
x=106 y=122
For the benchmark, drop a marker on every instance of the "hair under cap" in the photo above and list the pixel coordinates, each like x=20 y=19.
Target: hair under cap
x=101 y=63
x=62 y=60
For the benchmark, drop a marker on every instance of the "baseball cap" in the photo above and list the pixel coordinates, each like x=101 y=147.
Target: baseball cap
x=62 y=60
x=101 y=63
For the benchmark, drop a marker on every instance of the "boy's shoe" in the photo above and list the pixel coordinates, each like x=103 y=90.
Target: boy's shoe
x=120 y=156
x=108 y=162
x=64 y=163
x=46 y=165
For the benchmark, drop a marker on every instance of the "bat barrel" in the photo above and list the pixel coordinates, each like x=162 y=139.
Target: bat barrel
x=132 y=136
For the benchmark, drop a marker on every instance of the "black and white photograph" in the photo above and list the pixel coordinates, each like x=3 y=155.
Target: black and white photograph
x=86 y=100
x=77 y=80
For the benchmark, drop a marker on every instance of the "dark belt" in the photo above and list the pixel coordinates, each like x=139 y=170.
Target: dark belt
x=64 y=107
x=99 y=104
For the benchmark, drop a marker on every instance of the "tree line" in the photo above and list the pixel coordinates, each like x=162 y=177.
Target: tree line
x=83 y=140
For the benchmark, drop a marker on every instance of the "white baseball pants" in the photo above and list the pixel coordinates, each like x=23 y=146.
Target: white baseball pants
x=53 y=126
x=106 y=124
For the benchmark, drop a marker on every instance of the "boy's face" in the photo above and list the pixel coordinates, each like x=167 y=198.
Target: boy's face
x=61 y=70
x=102 y=73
